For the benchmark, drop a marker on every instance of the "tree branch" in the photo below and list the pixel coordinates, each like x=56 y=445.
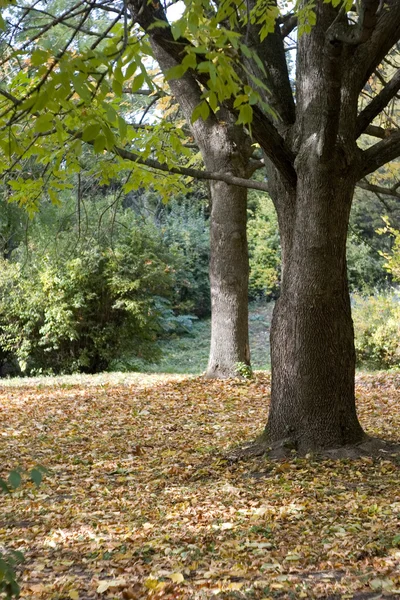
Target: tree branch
x=379 y=154
x=289 y=23
x=378 y=132
x=377 y=189
x=385 y=35
x=359 y=33
x=189 y=172
x=262 y=128
x=376 y=105
x=274 y=146
x=271 y=51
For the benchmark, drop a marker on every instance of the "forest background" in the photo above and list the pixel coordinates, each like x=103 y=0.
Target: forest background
x=109 y=280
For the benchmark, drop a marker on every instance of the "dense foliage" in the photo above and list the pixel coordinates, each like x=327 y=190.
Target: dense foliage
x=264 y=248
x=377 y=328
x=94 y=284
x=74 y=300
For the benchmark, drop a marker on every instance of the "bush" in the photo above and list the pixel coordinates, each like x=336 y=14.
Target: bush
x=185 y=231
x=364 y=266
x=377 y=330
x=264 y=249
x=76 y=310
x=392 y=264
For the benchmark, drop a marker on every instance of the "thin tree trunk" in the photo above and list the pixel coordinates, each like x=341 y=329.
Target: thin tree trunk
x=229 y=273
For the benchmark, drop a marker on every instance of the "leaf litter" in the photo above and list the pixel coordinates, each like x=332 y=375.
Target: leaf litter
x=142 y=503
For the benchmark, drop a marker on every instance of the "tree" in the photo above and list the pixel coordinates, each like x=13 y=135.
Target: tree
x=225 y=148
x=234 y=56
x=313 y=165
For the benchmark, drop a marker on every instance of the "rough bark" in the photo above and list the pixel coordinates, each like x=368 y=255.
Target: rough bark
x=312 y=338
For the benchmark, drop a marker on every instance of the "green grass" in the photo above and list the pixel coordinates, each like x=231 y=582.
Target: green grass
x=189 y=353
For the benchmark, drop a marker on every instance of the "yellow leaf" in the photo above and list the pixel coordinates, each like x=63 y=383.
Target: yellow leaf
x=151 y=583
x=103 y=587
x=74 y=595
x=110 y=583
x=176 y=577
x=235 y=585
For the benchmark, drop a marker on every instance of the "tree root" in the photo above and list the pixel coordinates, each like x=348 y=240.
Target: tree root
x=286 y=448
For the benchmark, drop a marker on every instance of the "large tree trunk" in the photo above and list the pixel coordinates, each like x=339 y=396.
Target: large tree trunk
x=312 y=338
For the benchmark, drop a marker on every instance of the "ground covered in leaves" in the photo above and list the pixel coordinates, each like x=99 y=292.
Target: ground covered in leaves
x=142 y=503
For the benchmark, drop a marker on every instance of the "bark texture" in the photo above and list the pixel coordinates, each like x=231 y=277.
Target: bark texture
x=229 y=271
x=312 y=337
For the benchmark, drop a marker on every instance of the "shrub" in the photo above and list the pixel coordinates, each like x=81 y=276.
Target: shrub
x=264 y=249
x=185 y=231
x=392 y=264
x=377 y=330
x=364 y=266
x=76 y=310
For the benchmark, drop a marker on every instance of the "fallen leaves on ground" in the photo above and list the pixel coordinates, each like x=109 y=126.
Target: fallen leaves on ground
x=141 y=502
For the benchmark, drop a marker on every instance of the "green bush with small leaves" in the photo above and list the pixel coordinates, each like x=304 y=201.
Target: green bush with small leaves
x=392 y=264
x=377 y=330
x=185 y=230
x=264 y=249
x=70 y=309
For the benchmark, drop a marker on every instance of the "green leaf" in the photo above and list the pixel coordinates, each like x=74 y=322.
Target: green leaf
x=122 y=126
x=193 y=22
x=118 y=75
x=190 y=61
x=36 y=476
x=81 y=88
x=396 y=540
x=202 y=110
x=246 y=51
x=111 y=113
x=138 y=82
x=39 y=57
x=44 y=122
x=177 y=29
x=91 y=132
x=117 y=87
x=40 y=101
x=213 y=101
x=100 y=143
x=110 y=139
x=245 y=115
x=14 y=479
x=131 y=69
x=176 y=72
